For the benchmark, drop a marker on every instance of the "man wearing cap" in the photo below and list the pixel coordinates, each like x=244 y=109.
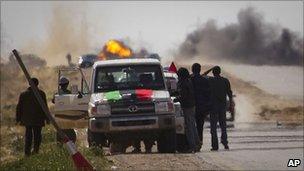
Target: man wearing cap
x=64 y=83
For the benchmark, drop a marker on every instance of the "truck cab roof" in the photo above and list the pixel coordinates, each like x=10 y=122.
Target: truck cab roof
x=129 y=61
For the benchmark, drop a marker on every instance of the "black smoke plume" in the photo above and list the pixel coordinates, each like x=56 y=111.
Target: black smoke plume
x=249 y=41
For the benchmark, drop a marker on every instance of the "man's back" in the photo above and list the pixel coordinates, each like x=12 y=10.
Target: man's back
x=220 y=88
x=29 y=111
x=185 y=89
x=201 y=91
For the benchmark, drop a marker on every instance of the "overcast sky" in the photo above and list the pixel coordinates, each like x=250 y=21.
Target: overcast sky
x=159 y=26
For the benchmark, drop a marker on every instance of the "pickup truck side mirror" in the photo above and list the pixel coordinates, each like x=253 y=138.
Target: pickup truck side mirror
x=79 y=96
x=176 y=100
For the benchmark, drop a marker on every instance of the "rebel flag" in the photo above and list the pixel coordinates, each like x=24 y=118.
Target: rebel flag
x=172 y=68
x=139 y=94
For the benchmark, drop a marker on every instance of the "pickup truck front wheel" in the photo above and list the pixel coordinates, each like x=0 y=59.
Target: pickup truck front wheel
x=96 y=139
x=167 y=141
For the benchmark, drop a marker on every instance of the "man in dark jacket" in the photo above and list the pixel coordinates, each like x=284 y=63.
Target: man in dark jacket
x=187 y=100
x=202 y=98
x=30 y=114
x=220 y=89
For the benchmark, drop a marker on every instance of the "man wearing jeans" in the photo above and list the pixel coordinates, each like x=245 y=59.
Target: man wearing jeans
x=202 y=98
x=30 y=114
x=220 y=89
x=187 y=100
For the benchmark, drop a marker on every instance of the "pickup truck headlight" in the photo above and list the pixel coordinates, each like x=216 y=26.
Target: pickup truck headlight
x=164 y=107
x=101 y=110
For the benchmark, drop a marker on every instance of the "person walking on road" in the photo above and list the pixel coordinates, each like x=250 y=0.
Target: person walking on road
x=30 y=114
x=187 y=100
x=220 y=89
x=202 y=98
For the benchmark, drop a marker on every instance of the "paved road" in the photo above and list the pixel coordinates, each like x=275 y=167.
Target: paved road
x=256 y=146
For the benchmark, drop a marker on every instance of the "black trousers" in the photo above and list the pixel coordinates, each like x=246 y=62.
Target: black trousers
x=148 y=144
x=29 y=132
x=200 y=116
x=218 y=114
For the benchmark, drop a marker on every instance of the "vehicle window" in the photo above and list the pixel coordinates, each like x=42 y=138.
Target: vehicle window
x=128 y=77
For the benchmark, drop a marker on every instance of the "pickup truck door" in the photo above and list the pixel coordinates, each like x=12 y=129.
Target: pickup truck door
x=74 y=105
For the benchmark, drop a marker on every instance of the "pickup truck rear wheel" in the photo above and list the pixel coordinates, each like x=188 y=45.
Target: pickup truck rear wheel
x=96 y=139
x=167 y=141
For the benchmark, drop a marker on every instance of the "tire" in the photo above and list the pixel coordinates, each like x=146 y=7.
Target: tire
x=96 y=139
x=69 y=132
x=167 y=141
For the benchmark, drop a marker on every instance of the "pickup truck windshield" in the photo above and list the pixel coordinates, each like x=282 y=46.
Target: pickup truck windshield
x=126 y=77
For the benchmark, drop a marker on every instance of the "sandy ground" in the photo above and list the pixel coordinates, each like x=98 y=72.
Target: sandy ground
x=159 y=162
x=151 y=161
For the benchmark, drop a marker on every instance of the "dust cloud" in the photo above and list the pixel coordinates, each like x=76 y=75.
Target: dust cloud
x=249 y=41
x=263 y=61
x=67 y=32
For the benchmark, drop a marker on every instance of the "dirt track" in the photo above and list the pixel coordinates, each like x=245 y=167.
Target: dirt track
x=157 y=161
x=151 y=161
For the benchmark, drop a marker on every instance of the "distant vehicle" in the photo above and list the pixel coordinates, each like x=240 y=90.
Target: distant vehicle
x=154 y=56
x=86 y=61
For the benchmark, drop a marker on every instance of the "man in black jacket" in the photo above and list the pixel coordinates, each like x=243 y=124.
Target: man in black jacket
x=202 y=98
x=220 y=89
x=30 y=114
x=187 y=101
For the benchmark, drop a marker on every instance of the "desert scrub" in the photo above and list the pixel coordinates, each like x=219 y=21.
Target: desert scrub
x=51 y=156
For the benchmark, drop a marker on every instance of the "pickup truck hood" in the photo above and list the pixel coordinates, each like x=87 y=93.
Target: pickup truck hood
x=139 y=94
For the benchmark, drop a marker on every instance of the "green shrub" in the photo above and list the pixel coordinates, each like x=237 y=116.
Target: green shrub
x=51 y=155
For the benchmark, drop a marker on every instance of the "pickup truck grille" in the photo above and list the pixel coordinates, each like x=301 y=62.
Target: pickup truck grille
x=132 y=108
x=134 y=123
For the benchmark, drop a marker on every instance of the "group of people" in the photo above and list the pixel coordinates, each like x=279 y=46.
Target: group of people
x=202 y=95
x=199 y=96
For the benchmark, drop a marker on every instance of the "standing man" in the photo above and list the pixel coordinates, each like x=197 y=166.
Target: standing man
x=64 y=84
x=30 y=114
x=187 y=100
x=220 y=89
x=202 y=98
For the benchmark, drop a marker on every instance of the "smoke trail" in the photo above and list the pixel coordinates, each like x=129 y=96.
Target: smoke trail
x=67 y=34
x=250 y=41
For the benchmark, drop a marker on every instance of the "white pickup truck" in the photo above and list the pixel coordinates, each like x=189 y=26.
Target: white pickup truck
x=125 y=100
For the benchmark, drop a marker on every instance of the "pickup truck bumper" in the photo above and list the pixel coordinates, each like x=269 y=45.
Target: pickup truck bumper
x=131 y=123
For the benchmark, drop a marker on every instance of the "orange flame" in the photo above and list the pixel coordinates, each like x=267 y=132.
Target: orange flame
x=114 y=48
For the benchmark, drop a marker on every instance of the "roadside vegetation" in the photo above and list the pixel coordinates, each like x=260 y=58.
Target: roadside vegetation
x=51 y=156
